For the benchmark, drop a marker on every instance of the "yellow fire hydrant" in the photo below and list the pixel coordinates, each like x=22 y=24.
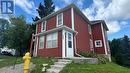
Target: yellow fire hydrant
x=26 y=59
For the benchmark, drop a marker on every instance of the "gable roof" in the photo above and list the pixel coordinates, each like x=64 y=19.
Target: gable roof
x=100 y=21
x=63 y=9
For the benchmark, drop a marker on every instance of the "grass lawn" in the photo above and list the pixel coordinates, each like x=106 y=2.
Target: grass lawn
x=38 y=61
x=9 y=60
x=99 y=68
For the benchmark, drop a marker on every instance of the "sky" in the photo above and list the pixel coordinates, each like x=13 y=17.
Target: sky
x=116 y=13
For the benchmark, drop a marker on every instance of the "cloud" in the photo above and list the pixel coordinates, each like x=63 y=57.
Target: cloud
x=57 y=8
x=27 y=5
x=114 y=12
x=79 y=3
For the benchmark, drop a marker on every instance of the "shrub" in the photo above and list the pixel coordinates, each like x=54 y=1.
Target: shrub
x=88 y=54
x=102 y=59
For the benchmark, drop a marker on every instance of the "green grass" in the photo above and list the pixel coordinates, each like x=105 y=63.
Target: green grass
x=8 y=61
x=39 y=61
x=98 y=68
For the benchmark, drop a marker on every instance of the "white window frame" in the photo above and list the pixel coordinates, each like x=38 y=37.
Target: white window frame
x=42 y=26
x=98 y=41
x=41 y=40
x=61 y=20
x=51 y=38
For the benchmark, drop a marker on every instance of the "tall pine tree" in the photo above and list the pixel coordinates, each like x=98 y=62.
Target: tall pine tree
x=44 y=10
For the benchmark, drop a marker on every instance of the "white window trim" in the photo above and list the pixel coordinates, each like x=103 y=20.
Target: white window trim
x=42 y=26
x=98 y=45
x=41 y=40
x=57 y=20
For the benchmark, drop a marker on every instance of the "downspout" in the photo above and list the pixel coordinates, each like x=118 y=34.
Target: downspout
x=76 y=53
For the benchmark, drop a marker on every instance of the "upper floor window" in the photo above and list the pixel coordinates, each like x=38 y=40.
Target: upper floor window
x=60 y=19
x=98 y=43
x=52 y=40
x=43 y=27
x=89 y=29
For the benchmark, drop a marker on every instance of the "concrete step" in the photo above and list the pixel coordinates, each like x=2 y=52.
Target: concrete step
x=57 y=66
x=60 y=63
x=64 y=60
x=52 y=70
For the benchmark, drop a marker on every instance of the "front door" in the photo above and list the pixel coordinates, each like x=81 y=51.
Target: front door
x=69 y=45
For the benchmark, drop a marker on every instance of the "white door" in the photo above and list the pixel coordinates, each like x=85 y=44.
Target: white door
x=69 y=45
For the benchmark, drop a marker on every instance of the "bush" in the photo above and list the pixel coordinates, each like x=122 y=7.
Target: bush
x=102 y=59
x=88 y=54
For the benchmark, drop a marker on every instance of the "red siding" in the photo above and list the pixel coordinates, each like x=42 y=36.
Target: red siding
x=52 y=52
x=39 y=28
x=97 y=35
x=51 y=23
x=67 y=18
x=82 y=37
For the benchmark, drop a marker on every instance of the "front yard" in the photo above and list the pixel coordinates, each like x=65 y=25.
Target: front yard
x=99 y=68
x=38 y=61
x=8 y=61
x=70 y=68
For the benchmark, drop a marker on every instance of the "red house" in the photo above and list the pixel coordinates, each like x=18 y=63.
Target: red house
x=68 y=32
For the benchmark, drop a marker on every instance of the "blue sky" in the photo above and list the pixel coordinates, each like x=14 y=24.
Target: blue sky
x=116 y=13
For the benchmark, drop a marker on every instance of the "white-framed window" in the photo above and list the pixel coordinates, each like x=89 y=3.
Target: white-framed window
x=98 y=43
x=43 y=26
x=41 y=42
x=52 y=40
x=89 y=29
x=60 y=19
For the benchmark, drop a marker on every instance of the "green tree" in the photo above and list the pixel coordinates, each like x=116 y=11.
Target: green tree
x=19 y=34
x=120 y=50
x=4 y=25
x=45 y=9
x=126 y=50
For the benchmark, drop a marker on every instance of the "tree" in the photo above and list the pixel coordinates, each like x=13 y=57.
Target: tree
x=4 y=25
x=44 y=10
x=126 y=50
x=120 y=50
x=19 y=34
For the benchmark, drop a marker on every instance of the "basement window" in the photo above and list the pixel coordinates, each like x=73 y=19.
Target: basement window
x=98 y=43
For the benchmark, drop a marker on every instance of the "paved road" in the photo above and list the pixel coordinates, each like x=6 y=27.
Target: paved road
x=18 y=69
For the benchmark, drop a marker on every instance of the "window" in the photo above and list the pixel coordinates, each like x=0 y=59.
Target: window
x=41 y=42
x=43 y=27
x=51 y=40
x=69 y=40
x=60 y=19
x=89 y=29
x=98 y=43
